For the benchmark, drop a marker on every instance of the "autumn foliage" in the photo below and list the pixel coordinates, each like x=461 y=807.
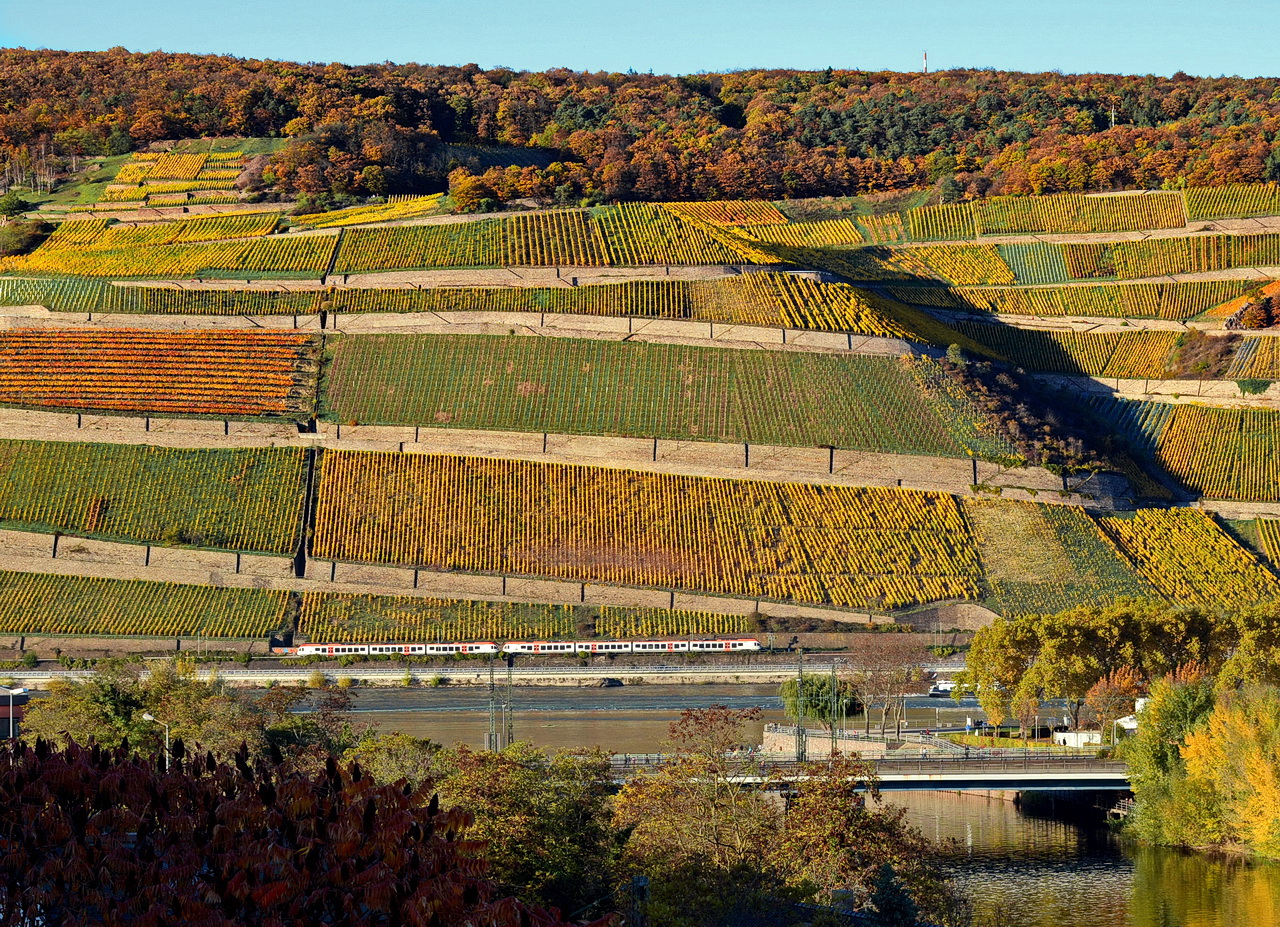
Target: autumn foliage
x=103 y=837
x=749 y=134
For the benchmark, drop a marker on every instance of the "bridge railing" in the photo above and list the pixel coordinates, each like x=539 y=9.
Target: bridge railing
x=928 y=762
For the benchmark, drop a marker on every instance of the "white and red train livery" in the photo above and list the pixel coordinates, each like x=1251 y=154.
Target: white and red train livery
x=652 y=646
x=721 y=645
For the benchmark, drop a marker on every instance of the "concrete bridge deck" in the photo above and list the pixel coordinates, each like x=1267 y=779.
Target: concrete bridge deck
x=1004 y=770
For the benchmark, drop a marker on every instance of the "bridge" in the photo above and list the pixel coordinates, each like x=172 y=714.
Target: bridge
x=996 y=770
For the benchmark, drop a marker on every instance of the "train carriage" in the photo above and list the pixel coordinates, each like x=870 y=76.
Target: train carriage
x=490 y=648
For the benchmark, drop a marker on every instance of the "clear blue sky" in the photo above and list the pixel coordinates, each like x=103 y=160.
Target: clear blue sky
x=1208 y=37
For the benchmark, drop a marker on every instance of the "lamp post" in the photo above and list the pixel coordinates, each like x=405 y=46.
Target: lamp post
x=148 y=716
x=12 y=692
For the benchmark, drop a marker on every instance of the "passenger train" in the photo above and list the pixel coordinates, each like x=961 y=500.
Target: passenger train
x=490 y=648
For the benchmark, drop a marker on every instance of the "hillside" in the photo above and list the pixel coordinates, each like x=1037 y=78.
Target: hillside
x=752 y=134
x=384 y=423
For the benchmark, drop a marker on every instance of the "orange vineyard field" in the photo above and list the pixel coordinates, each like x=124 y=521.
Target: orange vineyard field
x=239 y=373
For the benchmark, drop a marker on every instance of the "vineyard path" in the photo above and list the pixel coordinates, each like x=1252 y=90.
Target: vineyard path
x=765 y=463
x=29 y=553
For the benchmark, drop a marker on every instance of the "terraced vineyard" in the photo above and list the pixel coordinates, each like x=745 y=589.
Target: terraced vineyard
x=824 y=545
x=1269 y=534
x=1035 y=263
x=148 y=253
x=650 y=390
x=1237 y=200
x=1223 y=453
x=33 y=603
x=1171 y=301
x=823 y=234
x=768 y=299
x=363 y=619
x=1158 y=257
x=153 y=179
x=461 y=244
x=1073 y=212
x=1189 y=559
x=1042 y=559
x=1257 y=358
x=1220 y=453
x=952 y=222
x=410 y=208
x=639 y=234
x=96 y=235
x=554 y=239
x=229 y=499
x=876 y=549
x=960 y=265
x=201 y=373
x=1137 y=354
x=886 y=229
x=373 y=618
x=730 y=212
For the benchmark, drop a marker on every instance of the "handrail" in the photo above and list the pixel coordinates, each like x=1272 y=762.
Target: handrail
x=1005 y=762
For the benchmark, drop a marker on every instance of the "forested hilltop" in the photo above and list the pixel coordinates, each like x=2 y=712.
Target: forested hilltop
x=751 y=134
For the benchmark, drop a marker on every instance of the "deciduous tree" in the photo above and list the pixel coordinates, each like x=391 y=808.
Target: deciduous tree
x=102 y=836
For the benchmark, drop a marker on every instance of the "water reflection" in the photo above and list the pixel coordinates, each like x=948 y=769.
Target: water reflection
x=1027 y=871
x=1195 y=890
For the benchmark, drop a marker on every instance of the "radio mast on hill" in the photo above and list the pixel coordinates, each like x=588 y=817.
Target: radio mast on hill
x=926 y=62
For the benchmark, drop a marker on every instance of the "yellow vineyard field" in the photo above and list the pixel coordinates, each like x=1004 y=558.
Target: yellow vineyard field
x=827 y=233
x=1233 y=201
x=376 y=619
x=1075 y=212
x=84 y=606
x=1223 y=453
x=383 y=212
x=1189 y=559
x=730 y=212
x=817 y=544
x=554 y=239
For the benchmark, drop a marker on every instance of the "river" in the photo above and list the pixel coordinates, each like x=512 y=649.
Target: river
x=1020 y=869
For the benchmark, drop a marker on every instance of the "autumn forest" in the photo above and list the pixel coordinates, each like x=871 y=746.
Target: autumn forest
x=389 y=128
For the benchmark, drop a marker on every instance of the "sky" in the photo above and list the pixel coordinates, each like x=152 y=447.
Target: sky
x=1204 y=38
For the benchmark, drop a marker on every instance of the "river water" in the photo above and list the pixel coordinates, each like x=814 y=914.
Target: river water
x=1020 y=869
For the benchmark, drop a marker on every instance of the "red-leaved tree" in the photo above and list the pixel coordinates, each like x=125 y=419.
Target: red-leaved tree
x=105 y=837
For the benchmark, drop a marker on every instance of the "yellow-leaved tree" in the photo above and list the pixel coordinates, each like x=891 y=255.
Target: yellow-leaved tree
x=1236 y=756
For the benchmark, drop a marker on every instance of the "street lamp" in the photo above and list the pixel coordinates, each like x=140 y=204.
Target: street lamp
x=148 y=716
x=12 y=692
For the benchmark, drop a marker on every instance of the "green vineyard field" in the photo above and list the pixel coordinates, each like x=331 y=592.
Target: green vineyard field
x=636 y=389
x=32 y=603
x=227 y=499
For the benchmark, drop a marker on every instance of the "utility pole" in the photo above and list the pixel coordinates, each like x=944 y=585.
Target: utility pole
x=801 y=703
x=835 y=706
x=507 y=714
x=491 y=739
